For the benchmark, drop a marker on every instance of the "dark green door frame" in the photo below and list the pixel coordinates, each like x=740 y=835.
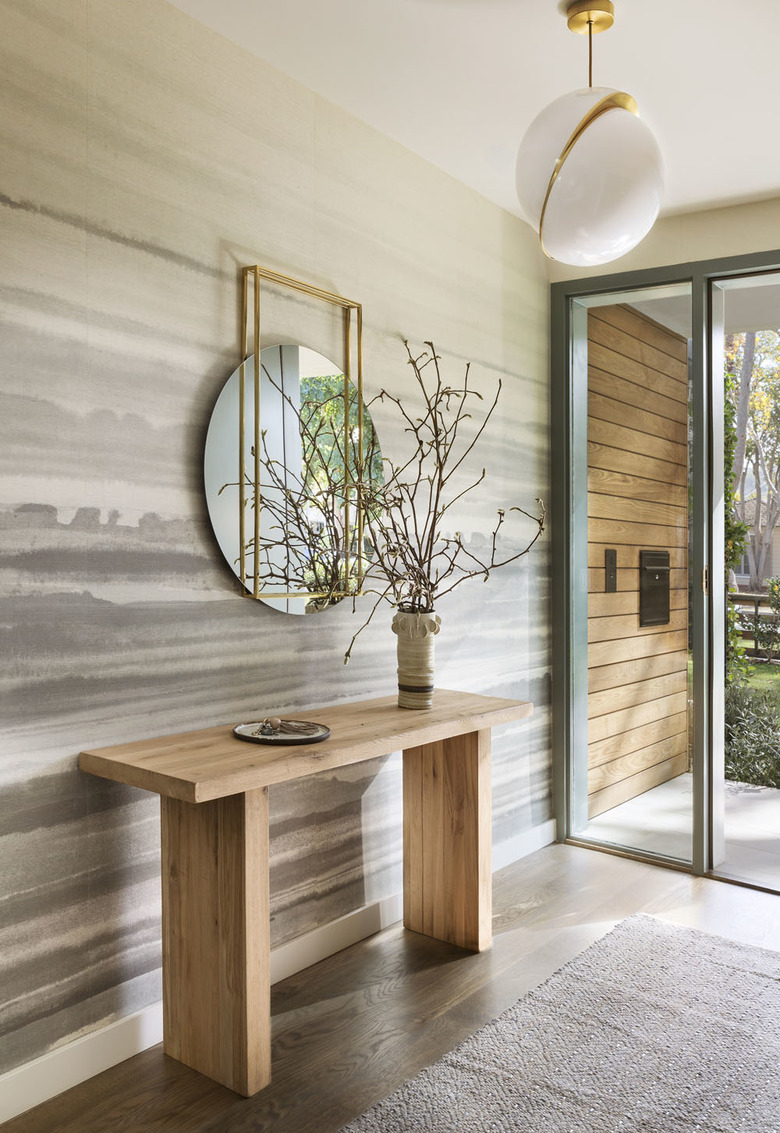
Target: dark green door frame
x=569 y=528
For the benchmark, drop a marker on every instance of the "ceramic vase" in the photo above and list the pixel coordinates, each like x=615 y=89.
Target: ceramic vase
x=416 y=637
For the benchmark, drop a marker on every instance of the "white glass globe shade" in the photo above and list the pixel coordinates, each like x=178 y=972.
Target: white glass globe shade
x=609 y=188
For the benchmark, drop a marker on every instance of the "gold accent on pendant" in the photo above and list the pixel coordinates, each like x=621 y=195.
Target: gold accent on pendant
x=615 y=100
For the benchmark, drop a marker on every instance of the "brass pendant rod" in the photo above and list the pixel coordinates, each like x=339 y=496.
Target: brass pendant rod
x=590 y=53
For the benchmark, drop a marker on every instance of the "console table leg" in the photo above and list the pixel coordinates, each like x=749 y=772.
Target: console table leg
x=447 y=840
x=216 y=954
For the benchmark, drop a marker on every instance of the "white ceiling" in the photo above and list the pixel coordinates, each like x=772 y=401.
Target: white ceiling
x=458 y=81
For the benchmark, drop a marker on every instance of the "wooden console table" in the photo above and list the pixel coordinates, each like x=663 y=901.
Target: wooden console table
x=214 y=820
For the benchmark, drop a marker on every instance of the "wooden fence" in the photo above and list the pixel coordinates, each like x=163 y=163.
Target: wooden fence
x=754 y=609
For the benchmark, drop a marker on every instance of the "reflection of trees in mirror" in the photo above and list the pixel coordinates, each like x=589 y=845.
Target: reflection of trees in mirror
x=323 y=401
x=311 y=516
x=412 y=562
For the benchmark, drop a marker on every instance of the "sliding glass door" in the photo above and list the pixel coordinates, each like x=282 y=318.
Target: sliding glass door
x=748 y=366
x=644 y=521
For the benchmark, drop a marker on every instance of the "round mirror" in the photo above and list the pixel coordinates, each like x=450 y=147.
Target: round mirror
x=284 y=461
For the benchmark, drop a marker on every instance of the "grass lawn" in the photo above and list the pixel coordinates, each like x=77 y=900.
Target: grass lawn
x=766 y=678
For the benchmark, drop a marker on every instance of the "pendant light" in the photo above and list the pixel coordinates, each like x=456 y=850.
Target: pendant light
x=589 y=170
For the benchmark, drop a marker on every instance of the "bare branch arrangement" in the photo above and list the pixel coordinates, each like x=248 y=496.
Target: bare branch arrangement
x=411 y=563
x=310 y=546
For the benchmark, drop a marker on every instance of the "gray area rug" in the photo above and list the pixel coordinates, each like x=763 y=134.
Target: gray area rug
x=653 y=1029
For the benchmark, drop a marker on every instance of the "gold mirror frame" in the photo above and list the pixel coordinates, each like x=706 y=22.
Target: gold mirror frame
x=251 y=282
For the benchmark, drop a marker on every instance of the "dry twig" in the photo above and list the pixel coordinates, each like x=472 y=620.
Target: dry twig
x=412 y=564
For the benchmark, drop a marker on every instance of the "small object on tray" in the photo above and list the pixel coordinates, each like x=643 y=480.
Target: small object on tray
x=274 y=730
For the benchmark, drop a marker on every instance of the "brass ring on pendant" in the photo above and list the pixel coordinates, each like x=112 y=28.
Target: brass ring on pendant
x=616 y=100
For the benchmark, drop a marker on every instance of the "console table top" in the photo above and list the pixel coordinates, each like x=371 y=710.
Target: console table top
x=212 y=763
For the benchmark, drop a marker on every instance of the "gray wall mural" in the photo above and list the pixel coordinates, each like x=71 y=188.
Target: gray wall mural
x=138 y=176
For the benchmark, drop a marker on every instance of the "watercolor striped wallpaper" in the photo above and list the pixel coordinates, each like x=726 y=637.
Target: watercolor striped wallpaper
x=143 y=162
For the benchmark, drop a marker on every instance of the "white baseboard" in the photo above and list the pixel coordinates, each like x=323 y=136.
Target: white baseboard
x=328 y=939
x=523 y=844
x=68 y=1065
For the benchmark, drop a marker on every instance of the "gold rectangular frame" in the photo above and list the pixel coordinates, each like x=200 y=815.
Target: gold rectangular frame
x=251 y=279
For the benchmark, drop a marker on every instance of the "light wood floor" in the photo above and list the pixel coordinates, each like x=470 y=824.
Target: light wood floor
x=349 y=1030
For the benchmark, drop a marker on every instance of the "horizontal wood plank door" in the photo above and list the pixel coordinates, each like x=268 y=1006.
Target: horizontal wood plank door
x=637 y=500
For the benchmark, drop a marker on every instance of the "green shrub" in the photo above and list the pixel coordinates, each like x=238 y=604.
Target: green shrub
x=752 y=722
x=737 y=667
x=767 y=635
x=773 y=590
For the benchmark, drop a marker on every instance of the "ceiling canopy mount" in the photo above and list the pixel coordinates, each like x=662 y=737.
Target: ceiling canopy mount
x=590 y=16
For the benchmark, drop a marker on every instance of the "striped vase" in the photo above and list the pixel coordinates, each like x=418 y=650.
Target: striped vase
x=416 y=636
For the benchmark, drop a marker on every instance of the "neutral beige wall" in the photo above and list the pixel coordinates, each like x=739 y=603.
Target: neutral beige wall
x=144 y=160
x=732 y=231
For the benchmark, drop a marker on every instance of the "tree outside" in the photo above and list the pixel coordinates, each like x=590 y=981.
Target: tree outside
x=753 y=403
x=752 y=478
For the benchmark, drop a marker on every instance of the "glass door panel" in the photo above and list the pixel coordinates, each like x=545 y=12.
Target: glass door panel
x=632 y=782
x=749 y=769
